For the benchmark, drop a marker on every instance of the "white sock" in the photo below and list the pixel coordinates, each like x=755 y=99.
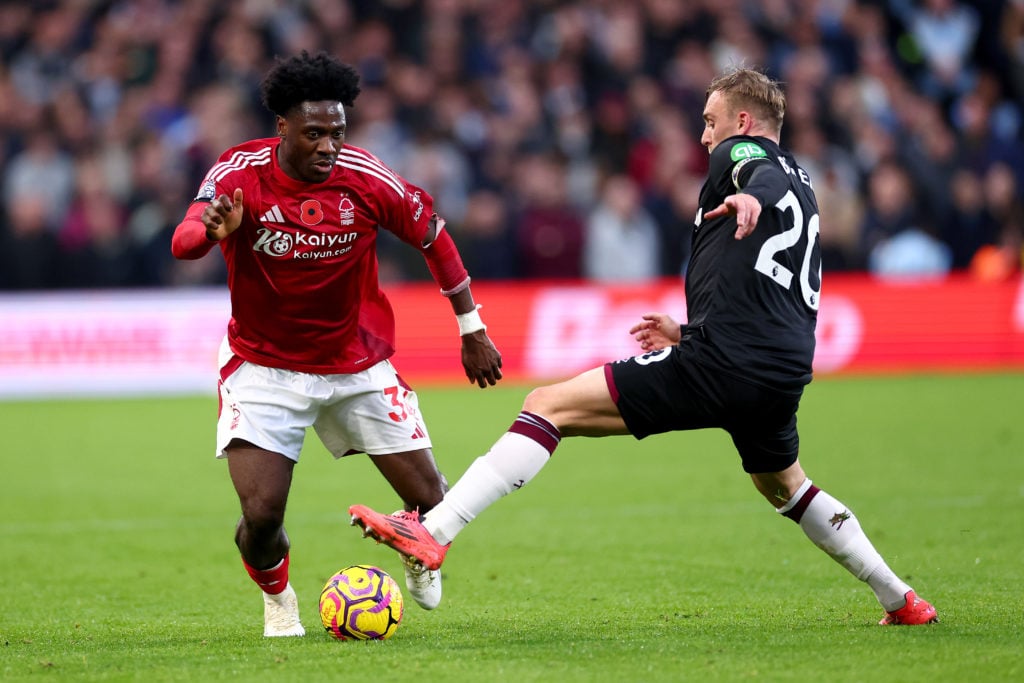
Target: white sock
x=512 y=461
x=890 y=589
x=833 y=527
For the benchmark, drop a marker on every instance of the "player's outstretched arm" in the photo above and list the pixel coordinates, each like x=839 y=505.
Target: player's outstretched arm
x=480 y=358
x=205 y=224
x=763 y=185
x=656 y=331
x=746 y=208
x=223 y=215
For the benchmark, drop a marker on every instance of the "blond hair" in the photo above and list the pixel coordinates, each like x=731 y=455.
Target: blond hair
x=749 y=89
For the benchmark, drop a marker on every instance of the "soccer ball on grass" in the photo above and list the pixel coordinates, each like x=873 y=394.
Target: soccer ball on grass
x=361 y=603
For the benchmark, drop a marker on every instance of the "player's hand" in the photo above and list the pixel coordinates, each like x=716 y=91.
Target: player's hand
x=223 y=216
x=480 y=359
x=655 y=331
x=745 y=207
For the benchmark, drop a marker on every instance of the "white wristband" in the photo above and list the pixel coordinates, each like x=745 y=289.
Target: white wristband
x=470 y=322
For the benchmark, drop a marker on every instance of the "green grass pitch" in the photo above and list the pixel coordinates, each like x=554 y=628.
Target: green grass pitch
x=622 y=561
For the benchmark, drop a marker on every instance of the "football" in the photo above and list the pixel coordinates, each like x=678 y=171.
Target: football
x=361 y=602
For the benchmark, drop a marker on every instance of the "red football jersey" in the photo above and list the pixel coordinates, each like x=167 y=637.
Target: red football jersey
x=302 y=266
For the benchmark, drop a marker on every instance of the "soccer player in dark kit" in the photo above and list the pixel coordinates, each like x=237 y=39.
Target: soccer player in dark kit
x=739 y=364
x=296 y=217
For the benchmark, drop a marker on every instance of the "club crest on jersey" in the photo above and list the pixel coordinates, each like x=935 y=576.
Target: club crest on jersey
x=347 y=211
x=311 y=212
x=746 y=150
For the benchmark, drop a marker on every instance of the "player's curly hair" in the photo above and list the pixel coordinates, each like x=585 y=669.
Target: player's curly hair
x=308 y=78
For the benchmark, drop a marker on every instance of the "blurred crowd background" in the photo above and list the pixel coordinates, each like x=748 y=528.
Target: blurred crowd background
x=560 y=139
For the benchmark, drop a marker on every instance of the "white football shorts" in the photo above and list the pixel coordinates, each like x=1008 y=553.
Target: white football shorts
x=372 y=411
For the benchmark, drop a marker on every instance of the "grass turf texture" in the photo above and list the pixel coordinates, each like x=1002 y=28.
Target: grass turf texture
x=623 y=561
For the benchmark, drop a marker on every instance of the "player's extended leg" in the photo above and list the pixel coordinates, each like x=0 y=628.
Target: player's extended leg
x=417 y=481
x=262 y=480
x=579 y=406
x=833 y=527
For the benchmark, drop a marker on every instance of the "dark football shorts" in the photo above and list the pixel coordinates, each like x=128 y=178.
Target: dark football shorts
x=665 y=391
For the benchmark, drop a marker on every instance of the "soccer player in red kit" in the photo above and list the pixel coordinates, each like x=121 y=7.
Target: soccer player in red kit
x=296 y=217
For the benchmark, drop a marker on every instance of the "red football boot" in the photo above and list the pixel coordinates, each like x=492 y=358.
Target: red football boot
x=401 y=531
x=914 y=613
